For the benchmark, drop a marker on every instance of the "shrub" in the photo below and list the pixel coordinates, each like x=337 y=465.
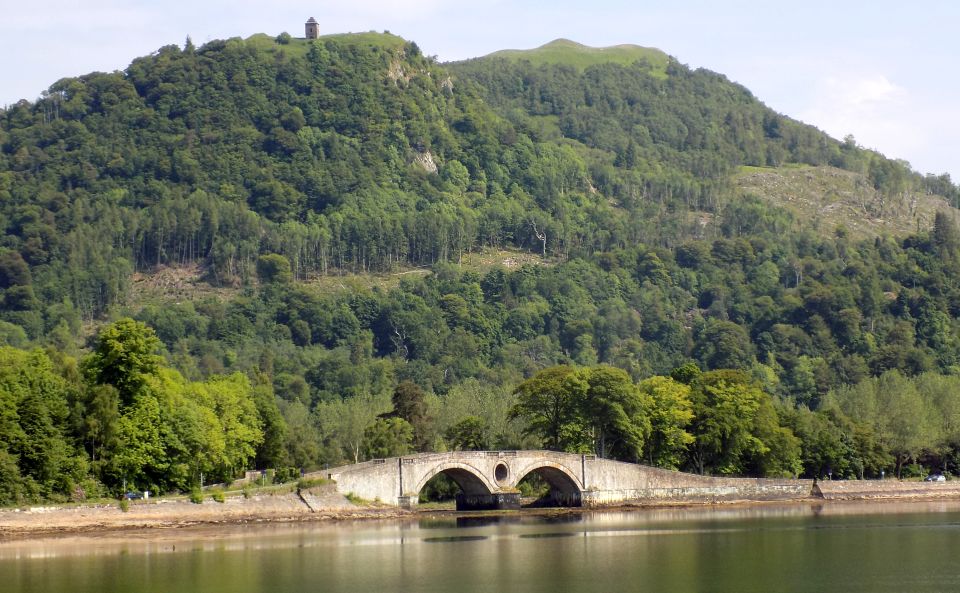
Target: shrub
x=283 y=475
x=307 y=483
x=196 y=496
x=217 y=495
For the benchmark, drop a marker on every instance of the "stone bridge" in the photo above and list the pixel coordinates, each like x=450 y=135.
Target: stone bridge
x=489 y=480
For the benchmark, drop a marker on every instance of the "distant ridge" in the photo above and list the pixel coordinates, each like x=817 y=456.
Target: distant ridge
x=565 y=51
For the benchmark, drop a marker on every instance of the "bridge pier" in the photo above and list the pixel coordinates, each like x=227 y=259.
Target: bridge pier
x=408 y=502
x=501 y=501
x=559 y=499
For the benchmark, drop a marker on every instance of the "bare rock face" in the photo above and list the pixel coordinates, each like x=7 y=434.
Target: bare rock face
x=425 y=160
x=396 y=72
x=447 y=85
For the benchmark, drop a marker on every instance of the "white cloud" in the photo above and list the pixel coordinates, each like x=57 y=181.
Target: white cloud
x=872 y=108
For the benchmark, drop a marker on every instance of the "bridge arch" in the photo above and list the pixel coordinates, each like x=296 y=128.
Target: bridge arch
x=471 y=480
x=566 y=489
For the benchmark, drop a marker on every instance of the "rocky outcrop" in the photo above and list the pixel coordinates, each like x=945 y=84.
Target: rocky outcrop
x=425 y=160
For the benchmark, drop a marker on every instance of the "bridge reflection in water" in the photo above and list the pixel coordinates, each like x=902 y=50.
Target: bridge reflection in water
x=490 y=479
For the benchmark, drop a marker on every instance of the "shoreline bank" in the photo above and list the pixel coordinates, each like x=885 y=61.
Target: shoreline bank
x=325 y=504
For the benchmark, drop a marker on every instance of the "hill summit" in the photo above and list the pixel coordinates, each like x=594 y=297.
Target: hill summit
x=571 y=53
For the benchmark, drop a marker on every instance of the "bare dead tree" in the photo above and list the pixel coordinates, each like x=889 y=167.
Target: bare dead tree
x=541 y=236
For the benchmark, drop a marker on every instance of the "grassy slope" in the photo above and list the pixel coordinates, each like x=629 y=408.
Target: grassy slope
x=299 y=46
x=571 y=53
x=827 y=197
x=179 y=284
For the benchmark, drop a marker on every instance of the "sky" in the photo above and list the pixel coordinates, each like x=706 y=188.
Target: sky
x=883 y=71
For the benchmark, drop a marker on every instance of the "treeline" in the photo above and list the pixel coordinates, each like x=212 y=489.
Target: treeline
x=723 y=422
x=122 y=419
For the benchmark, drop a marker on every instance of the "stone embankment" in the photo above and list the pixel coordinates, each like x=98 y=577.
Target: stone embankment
x=316 y=503
x=885 y=489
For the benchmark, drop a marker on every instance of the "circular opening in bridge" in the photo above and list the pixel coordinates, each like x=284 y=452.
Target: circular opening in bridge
x=501 y=472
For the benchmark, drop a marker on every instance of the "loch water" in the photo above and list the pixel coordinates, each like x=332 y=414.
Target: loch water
x=870 y=548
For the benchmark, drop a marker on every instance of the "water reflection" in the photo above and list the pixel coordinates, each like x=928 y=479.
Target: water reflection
x=455 y=538
x=875 y=548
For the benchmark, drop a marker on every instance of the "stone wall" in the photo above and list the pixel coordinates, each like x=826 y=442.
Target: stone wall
x=572 y=476
x=871 y=489
x=612 y=482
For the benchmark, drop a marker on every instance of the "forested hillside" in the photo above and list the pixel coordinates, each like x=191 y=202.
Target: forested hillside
x=369 y=230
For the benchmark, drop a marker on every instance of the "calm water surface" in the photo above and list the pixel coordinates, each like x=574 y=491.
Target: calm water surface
x=836 y=547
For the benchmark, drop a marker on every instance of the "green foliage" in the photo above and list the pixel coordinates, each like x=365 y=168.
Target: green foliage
x=308 y=483
x=274 y=268
x=38 y=459
x=596 y=409
x=727 y=406
x=217 y=496
x=284 y=475
x=613 y=411
x=468 y=434
x=408 y=404
x=125 y=357
x=354 y=499
x=387 y=437
x=671 y=412
x=439 y=488
x=549 y=409
x=196 y=496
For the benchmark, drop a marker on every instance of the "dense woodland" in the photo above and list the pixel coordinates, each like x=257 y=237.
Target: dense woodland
x=664 y=318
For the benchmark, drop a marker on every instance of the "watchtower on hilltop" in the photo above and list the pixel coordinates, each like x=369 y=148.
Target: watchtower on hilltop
x=312 y=28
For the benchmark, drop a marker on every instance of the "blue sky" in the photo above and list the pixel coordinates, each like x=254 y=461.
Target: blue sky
x=883 y=71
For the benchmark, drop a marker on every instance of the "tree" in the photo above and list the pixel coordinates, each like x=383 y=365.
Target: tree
x=231 y=400
x=141 y=457
x=387 y=437
x=467 y=435
x=270 y=451
x=671 y=412
x=409 y=404
x=36 y=459
x=549 y=409
x=100 y=421
x=906 y=425
x=724 y=345
x=613 y=411
x=342 y=422
x=273 y=268
x=725 y=405
x=302 y=445
x=779 y=455
x=125 y=356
